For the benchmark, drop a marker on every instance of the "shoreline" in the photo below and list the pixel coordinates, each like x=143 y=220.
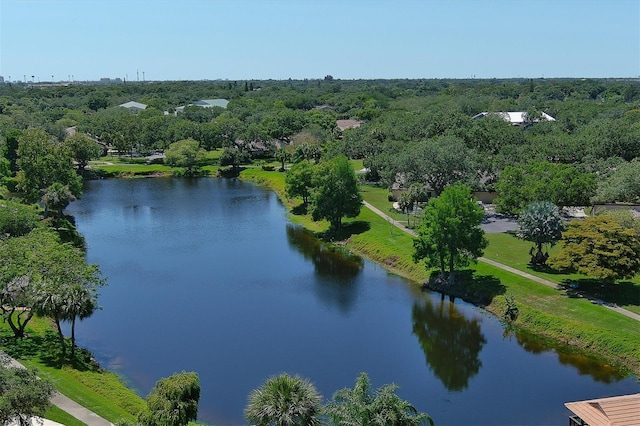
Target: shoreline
x=534 y=322
x=563 y=333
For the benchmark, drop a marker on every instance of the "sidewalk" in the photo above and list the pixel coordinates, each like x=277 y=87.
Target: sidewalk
x=548 y=283
x=59 y=400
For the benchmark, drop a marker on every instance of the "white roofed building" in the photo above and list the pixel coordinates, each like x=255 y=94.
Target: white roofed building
x=516 y=118
x=133 y=106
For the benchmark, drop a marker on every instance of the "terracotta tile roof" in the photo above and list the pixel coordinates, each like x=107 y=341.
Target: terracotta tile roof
x=615 y=411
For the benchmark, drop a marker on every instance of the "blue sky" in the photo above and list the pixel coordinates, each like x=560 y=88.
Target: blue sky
x=349 y=39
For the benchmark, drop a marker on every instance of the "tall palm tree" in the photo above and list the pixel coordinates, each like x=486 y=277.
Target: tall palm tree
x=284 y=400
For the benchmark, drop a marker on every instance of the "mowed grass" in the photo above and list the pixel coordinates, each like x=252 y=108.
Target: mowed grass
x=512 y=251
x=545 y=312
x=573 y=321
x=137 y=167
x=57 y=415
x=125 y=167
x=100 y=391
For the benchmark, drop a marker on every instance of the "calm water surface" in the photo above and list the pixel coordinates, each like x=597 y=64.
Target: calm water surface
x=209 y=276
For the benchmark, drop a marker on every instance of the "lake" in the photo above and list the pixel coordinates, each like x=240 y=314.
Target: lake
x=208 y=275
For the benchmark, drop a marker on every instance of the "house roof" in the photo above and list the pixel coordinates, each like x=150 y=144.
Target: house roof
x=208 y=103
x=514 y=117
x=348 y=124
x=133 y=105
x=615 y=411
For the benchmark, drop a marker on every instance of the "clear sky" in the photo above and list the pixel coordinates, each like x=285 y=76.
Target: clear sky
x=349 y=39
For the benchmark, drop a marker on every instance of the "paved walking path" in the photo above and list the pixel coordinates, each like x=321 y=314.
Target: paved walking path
x=504 y=267
x=65 y=404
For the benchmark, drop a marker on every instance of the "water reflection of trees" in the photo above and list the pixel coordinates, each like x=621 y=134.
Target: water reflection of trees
x=451 y=343
x=335 y=269
x=598 y=370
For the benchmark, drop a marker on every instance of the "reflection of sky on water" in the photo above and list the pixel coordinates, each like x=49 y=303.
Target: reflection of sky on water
x=207 y=275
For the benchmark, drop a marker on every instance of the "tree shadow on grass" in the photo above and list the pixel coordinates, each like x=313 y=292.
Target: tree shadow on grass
x=545 y=269
x=468 y=286
x=346 y=231
x=300 y=209
x=47 y=349
x=623 y=293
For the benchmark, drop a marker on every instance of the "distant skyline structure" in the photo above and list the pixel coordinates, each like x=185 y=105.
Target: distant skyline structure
x=298 y=39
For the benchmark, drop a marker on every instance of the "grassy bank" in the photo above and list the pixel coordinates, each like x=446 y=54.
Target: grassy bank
x=98 y=390
x=557 y=315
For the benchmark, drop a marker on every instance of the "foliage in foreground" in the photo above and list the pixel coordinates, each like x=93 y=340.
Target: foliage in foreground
x=287 y=400
x=362 y=406
x=22 y=394
x=173 y=401
x=284 y=400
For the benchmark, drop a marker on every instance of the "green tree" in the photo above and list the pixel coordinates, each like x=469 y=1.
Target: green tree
x=55 y=198
x=82 y=149
x=41 y=163
x=185 y=153
x=234 y=157
x=17 y=219
x=623 y=185
x=173 y=401
x=97 y=101
x=600 y=247
x=284 y=400
x=336 y=192
x=299 y=181
x=541 y=223
x=46 y=277
x=450 y=235
x=362 y=406
x=405 y=203
x=282 y=155
x=436 y=163
x=22 y=395
x=11 y=147
x=562 y=184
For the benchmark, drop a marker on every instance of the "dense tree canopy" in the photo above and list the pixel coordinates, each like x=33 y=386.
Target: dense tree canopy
x=563 y=185
x=17 y=219
x=623 y=184
x=43 y=162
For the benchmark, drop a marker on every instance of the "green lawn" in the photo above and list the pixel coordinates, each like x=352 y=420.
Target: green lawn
x=509 y=250
x=100 y=391
x=57 y=415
